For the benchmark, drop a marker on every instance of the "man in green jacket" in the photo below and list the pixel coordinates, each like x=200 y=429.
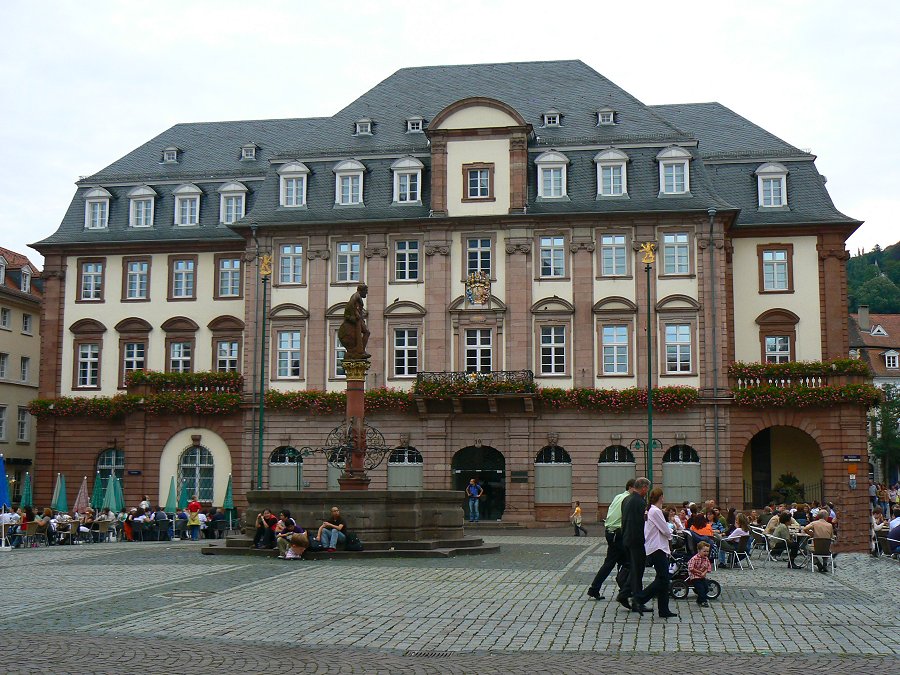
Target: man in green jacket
x=615 y=554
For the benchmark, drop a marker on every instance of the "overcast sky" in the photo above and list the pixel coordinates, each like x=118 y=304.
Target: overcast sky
x=85 y=82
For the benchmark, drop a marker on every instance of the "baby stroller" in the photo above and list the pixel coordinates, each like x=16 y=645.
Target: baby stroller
x=682 y=551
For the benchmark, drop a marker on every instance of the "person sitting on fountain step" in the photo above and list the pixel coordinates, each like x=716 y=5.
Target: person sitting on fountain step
x=285 y=528
x=299 y=544
x=334 y=531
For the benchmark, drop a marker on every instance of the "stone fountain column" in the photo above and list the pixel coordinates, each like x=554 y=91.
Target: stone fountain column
x=354 y=477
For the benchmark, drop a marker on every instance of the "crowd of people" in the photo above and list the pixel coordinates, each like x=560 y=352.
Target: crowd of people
x=640 y=530
x=292 y=540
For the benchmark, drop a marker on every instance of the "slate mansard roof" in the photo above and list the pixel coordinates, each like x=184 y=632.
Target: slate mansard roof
x=726 y=149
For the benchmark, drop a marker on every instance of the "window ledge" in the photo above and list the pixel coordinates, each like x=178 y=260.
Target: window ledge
x=770 y=209
x=552 y=376
x=565 y=278
x=693 y=373
x=677 y=276
x=416 y=203
x=612 y=198
x=406 y=281
x=614 y=277
x=786 y=291
x=361 y=205
x=670 y=195
x=299 y=207
x=563 y=198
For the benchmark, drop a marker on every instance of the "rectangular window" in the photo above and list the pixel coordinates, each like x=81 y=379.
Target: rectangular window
x=183 y=278
x=2 y=422
x=478 y=350
x=552 y=181
x=137 y=279
x=406 y=352
x=339 y=354
x=5 y=317
x=294 y=190
x=611 y=183
x=88 y=365
x=92 y=280
x=478 y=181
x=615 y=350
x=775 y=270
x=134 y=356
x=676 y=254
x=227 y=356
x=288 y=355
x=613 y=255
x=22 y=425
x=180 y=357
x=673 y=177
x=408 y=187
x=97 y=214
x=229 y=282
x=27 y=321
x=291 y=264
x=553 y=257
x=678 y=348
x=553 y=350
x=348 y=260
x=232 y=208
x=478 y=256
x=772 y=192
x=24 y=368
x=187 y=210
x=141 y=212
x=4 y=365
x=778 y=349
x=406 y=260
x=349 y=189
x=890 y=361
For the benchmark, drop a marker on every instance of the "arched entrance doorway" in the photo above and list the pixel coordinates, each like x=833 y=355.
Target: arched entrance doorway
x=782 y=464
x=487 y=465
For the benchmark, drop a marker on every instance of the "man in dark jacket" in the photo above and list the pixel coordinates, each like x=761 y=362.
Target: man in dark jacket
x=633 y=509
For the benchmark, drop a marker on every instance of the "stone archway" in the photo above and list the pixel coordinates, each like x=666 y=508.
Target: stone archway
x=779 y=451
x=487 y=465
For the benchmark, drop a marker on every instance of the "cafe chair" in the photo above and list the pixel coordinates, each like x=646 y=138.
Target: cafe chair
x=821 y=550
x=739 y=554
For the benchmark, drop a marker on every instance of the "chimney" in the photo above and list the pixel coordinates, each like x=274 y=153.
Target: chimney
x=863 y=318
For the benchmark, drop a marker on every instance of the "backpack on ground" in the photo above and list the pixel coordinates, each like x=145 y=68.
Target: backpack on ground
x=353 y=543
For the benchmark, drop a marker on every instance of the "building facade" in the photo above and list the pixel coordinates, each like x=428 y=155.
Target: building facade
x=20 y=351
x=497 y=214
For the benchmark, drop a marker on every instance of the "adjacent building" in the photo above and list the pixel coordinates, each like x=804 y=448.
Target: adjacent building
x=20 y=355
x=499 y=215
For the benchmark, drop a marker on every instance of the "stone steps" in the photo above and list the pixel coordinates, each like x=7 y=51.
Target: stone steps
x=439 y=548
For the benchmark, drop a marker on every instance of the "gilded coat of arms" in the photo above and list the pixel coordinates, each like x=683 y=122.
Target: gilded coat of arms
x=478 y=288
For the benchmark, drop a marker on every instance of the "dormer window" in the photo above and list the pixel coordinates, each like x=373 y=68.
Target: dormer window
x=187 y=205
x=878 y=331
x=348 y=183
x=407 y=180
x=552 y=118
x=140 y=206
x=248 y=152
x=26 y=280
x=364 y=127
x=96 y=209
x=170 y=155
x=606 y=117
x=612 y=173
x=892 y=359
x=293 y=184
x=771 y=180
x=551 y=174
x=232 y=202
x=2 y=270
x=415 y=125
x=674 y=171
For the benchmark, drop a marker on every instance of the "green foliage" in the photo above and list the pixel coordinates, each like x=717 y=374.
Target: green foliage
x=794 y=369
x=884 y=440
x=665 y=399
x=317 y=402
x=175 y=402
x=873 y=278
x=881 y=295
x=199 y=381
x=864 y=395
x=788 y=489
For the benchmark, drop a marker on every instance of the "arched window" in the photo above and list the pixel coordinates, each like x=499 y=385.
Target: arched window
x=195 y=469
x=681 y=453
x=405 y=455
x=616 y=454
x=285 y=455
x=552 y=454
x=111 y=462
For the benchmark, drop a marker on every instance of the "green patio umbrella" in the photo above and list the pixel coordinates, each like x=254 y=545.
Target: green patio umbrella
x=120 y=494
x=170 y=500
x=183 y=499
x=97 y=494
x=60 y=503
x=112 y=499
x=27 y=498
x=228 y=504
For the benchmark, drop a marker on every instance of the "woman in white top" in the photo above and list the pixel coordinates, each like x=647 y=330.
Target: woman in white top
x=656 y=544
x=730 y=543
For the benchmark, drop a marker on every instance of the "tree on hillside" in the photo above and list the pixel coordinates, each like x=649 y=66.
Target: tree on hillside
x=884 y=440
x=881 y=295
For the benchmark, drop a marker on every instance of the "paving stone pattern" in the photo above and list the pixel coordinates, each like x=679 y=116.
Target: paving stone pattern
x=164 y=608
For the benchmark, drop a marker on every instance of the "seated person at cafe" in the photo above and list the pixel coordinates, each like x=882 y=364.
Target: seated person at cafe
x=894 y=540
x=299 y=543
x=265 y=530
x=895 y=521
x=27 y=516
x=820 y=528
x=45 y=527
x=776 y=519
x=879 y=523
x=161 y=520
x=730 y=543
x=332 y=532
x=783 y=534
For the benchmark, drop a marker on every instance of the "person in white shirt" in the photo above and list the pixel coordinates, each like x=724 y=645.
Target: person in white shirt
x=895 y=521
x=656 y=545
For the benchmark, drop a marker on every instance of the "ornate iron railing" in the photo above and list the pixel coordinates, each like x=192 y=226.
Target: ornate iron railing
x=447 y=384
x=781 y=382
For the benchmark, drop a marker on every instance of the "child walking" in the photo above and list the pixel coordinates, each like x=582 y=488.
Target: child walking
x=576 y=519
x=698 y=567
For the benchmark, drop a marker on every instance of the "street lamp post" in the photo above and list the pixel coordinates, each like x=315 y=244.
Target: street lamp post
x=648 y=259
x=265 y=271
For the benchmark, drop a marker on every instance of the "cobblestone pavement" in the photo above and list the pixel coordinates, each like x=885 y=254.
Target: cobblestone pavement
x=163 y=608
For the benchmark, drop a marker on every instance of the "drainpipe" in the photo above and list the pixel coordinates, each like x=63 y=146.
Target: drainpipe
x=256 y=481
x=713 y=281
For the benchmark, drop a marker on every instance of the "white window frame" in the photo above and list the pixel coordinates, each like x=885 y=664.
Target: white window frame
x=614 y=244
x=26 y=280
x=891 y=360
x=134 y=357
x=672 y=252
x=141 y=277
x=24 y=368
x=5 y=317
x=482 y=253
x=406 y=352
x=227 y=272
x=553 y=348
x=92 y=277
x=4 y=365
x=349 y=169
x=410 y=168
x=774 y=353
x=479 y=343
x=292 y=254
x=230 y=357
x=181 y=352
x=232 y=202
x=614 y=349
x=679 y=346
x=2 y=270
x=486 y=187
x=170 y=155
x=550 y=162
x=672 y=157
x=184 y=269
x=406 y=254
x=3 y=409
x=364 y=127
x=27 y=323
x=771 y=267
x=248 y=152
x=88 y=355
x=611 y=159
x=23 y=425
x=552 y=118
x=555 y=247
x=98 y=197
x=345 y=252
x=339 y=353
x=298 y=173
x=777 y=173
x=183 y=194
x=141 y=195
x=415 y=125
x=606 y=117
x=289 y=354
